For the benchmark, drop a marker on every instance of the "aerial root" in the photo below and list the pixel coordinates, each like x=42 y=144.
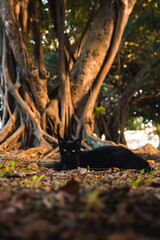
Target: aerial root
x=49 y=137
x=50 y=115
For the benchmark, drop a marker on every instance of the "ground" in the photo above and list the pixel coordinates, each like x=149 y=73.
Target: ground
x=43 y=203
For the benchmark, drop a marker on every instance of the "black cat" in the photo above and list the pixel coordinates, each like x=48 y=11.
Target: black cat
x=102 y=157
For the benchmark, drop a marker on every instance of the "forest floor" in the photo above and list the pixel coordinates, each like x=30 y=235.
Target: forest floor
x=41 y=203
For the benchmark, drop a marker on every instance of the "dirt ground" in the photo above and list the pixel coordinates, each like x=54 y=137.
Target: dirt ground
x=42 y=203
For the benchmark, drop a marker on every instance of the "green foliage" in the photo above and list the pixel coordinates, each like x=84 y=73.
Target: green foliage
x=36 y=181
x=8 y=169
x=148 y=109
x=78 y=13
x=135 y=123
x=139 y=182
x=99 y=111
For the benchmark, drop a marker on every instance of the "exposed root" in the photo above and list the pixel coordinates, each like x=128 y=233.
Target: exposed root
x=93 y=140
x=51 y=153
x=83 y=144
x=12 y=141
x=36 y=151
x=79 y=125
x=51 y=138
x=149 y=156
x=8 y=128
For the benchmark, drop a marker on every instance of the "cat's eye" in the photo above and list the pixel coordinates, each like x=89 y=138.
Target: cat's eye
x=73 y=150
x=64 y=150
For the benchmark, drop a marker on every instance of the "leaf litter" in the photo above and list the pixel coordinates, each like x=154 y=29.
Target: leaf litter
x=42 y=203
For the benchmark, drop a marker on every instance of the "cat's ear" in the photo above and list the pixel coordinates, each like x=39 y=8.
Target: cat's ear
x=78 y=141
x=60 y=140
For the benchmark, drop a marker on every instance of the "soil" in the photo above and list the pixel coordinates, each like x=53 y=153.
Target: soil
x=42 y=203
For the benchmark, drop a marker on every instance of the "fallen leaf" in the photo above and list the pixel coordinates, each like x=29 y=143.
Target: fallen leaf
x=71 y=187
x=82 y=170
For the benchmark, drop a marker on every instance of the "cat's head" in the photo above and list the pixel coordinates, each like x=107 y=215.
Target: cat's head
x=69 y=151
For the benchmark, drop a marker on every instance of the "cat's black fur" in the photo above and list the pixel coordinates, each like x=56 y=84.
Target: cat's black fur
x=102 y=157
